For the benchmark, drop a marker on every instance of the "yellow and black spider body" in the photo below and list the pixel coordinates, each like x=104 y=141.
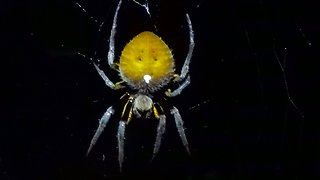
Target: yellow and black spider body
x=146 y=65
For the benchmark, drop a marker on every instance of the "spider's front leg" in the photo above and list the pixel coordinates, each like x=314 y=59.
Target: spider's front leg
x=120 y=137
x=102 y=124
x=179 y=123
x=160 y=129
x=126 y=113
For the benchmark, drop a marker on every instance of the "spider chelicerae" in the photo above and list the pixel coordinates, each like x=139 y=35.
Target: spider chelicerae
x=146 y=65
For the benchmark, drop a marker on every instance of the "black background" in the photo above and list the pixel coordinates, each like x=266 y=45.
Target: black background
x=250 y=111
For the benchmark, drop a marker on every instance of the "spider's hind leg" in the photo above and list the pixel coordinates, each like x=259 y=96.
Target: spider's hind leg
x=112 y=35
x=185 y=68
x=177 y=91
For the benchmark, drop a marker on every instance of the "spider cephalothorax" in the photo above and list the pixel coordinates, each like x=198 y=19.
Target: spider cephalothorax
x=142 y=104
x=146 y=65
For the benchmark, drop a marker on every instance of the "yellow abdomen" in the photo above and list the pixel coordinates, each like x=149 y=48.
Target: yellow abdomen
x=146 y=54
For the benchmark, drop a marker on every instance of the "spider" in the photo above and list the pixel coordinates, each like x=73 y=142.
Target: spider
x=146 y=65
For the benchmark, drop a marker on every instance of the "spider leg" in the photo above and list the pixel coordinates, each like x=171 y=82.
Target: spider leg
x=179 y=123
x=185 y=67
x=160 y=131
x=110 y=53
x=120 y=136
x=108 y=82
x=102 y=124
x=126 y=113
x=112 y=35
x=177 y=91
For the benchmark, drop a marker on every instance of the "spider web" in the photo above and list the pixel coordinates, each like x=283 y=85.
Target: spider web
x=259 y=50
x=246 y=110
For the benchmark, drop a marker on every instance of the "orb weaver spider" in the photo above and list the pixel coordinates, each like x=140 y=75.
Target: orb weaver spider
x=146 y=65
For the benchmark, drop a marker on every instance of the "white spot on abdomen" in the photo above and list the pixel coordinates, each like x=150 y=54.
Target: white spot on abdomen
x=147 y=78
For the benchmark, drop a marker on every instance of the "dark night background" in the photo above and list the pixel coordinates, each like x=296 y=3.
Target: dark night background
x=250 y=111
